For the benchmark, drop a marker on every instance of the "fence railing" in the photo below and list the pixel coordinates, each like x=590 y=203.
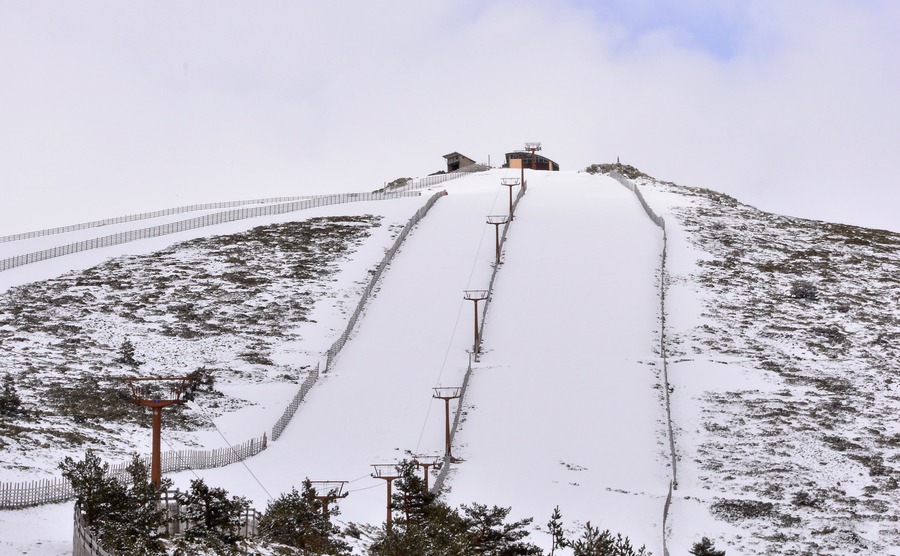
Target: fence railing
x=85 y=544
x=339 y=343
x=193 y=223
x=83 y=541
x=49 y=491
x=659 y=221
x=248 y=524
x=144 y=216
x=445 y=467
x=430 y=181
x=285 y=418
x=420 y=183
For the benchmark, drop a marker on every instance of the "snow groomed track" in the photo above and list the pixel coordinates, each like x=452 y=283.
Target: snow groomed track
x=564 y=407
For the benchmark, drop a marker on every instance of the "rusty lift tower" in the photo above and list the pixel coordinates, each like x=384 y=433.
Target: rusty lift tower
x=532 y=147
x=388 y=472
x=476 y=296
x=510 y=183
x=328 y=491
x=497 y=221
x=447 y=394
x=157 y=393
x=427 y=462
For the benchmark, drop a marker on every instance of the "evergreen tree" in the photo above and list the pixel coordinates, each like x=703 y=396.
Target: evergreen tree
x=706 y=548
x=297 y=520
x=135 y=526
x=555 y=528
x=10 y=402
x=123 y=514
x=487 y=532
x=126 y=353
x=91 y=485
x=411 y=502
x=426 y=526
x=213 y=518
x=594 y=542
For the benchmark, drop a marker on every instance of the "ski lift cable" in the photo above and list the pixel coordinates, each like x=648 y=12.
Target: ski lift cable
x=230 y=447
x=177 y=455
x=455 y=326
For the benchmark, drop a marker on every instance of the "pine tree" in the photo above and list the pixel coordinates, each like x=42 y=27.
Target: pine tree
x=706 y=548
x=594 y=542
x=122 y=513
x=135 y=526
x=411 y=502
x=212 y=516
x=126 y=353
x=297 y=519
x=10 y=402
x=555 y=528
x=488 y=533
x=91 y=485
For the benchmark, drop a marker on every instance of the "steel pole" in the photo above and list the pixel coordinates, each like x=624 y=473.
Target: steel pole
x=475 y=348
x=389 y=516
x=155 y=464
x=446 y=428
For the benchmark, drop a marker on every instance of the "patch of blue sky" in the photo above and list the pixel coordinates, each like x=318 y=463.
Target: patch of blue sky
x=716 y=28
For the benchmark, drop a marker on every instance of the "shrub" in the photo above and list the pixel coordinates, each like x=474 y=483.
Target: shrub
x=706 y=548
x=123 y=513
x=296 y=519
x=213 y=518
x=10 y=402
x=594 y=542
x=802 y=289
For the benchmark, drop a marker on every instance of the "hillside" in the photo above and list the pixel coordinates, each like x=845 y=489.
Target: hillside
x=780 y=342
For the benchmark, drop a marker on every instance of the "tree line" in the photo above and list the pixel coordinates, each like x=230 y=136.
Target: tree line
x=125 y=516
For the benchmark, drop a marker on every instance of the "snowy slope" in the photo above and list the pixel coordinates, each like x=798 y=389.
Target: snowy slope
x=377 y=403
x=780 y=448
x=565 y=407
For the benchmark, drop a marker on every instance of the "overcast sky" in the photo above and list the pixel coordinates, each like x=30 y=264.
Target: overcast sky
x=115 y=107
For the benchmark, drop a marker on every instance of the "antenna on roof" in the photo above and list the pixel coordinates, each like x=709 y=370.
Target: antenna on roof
x=533 y=147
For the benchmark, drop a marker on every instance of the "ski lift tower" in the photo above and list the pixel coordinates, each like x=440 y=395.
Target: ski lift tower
x=447 y=394
x=157 y=393
x=328 y=491
x=426 y=462
x=510 y=183
x=497 y=221
x=476 y=296
x=532 y=147
x=388 y=472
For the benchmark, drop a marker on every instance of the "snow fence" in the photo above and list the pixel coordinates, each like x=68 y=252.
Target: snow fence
x=145 y=216
x=49 y=491
x=339 y=343
x=295 y=403
x=659 y=221
x=193 y=223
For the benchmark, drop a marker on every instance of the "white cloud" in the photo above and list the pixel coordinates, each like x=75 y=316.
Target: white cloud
x=786 y=105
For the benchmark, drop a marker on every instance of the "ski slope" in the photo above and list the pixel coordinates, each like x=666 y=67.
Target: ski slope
x=564 y=406
x=376 y=404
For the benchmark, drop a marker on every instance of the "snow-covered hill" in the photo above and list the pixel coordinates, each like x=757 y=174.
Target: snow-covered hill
x=781 y=337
